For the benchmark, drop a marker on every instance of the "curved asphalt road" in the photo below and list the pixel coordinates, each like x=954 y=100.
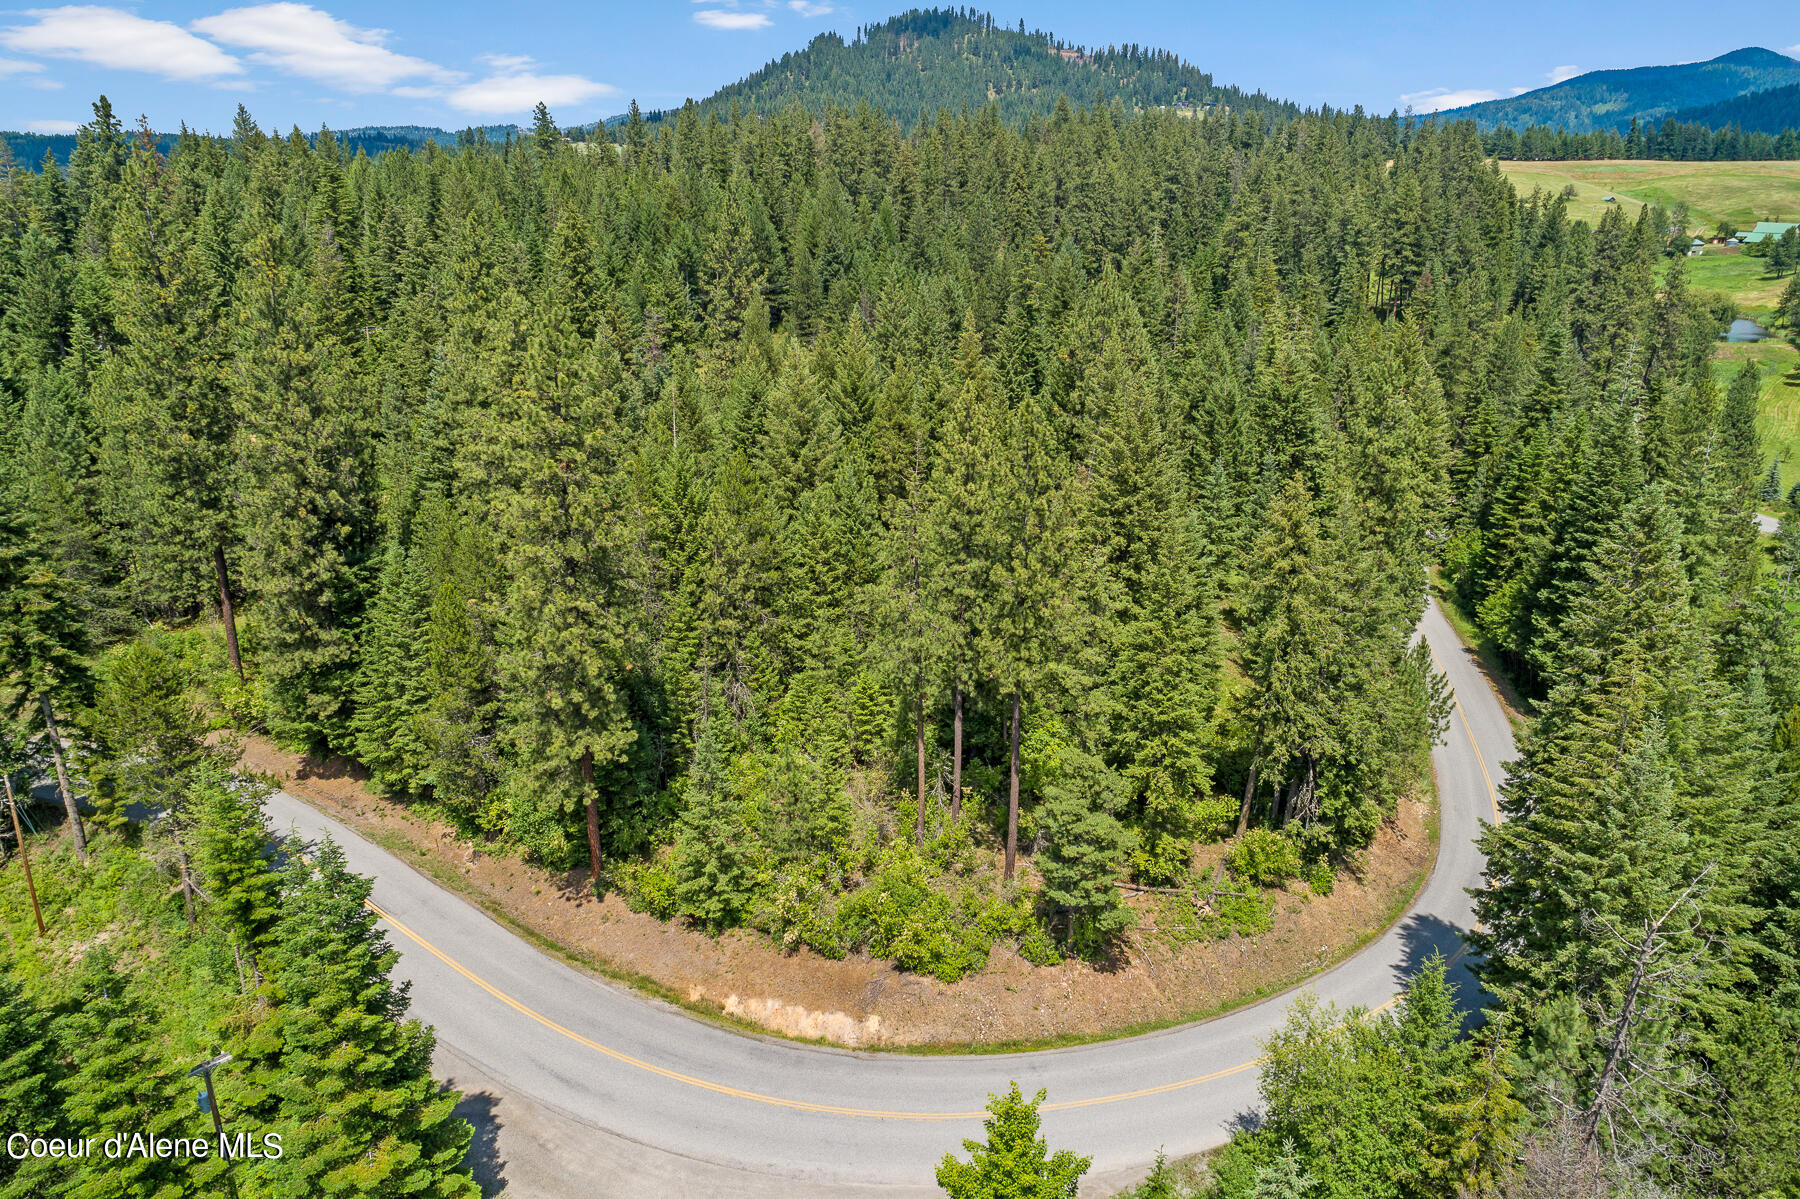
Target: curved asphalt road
x=661 y=1083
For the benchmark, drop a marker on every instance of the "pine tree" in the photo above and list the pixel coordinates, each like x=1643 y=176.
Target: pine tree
x=116 y=1080
x=1014 y=1162
x=356 y=1105
x=28 y=1085
x=42 y=643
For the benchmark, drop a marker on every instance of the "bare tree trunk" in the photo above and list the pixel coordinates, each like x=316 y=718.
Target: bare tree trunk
x=62 y=778
x=956 y=766
x=1012 y=795
x=593 y=814
x=187 y=888
x=12 y=801
x=225 y=611
x=1243 y=815
x=919 y=824
x=1615 y=1052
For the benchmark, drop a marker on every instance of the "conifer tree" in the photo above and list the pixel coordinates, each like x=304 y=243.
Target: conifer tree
x=42 y=643
x=356 y=1105
x=28 y=1091
x=1014 y=1162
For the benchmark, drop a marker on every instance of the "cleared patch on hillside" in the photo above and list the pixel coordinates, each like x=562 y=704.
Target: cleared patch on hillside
x=1740 y=192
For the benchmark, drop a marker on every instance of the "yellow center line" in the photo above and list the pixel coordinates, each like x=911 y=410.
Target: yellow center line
x=863 y=1113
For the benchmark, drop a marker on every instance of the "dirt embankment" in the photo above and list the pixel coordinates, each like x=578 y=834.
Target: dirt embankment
x=866 y=1003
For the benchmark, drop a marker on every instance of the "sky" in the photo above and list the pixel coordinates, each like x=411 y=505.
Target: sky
x=345 y=63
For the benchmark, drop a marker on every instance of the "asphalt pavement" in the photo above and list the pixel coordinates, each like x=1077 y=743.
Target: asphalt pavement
x=581 y=1086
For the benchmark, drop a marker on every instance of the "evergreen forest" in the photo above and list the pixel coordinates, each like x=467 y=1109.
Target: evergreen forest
x=901 y=540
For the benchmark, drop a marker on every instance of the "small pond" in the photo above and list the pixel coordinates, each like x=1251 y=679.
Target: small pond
x=1745 y=329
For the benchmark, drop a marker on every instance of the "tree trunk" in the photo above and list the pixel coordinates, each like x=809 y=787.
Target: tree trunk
x=225 y=611
x=919 y=824
x=1243 y=817
x=62 y=778
x=1012 y=795
x=593 y=814
x=956 y=765
x=12 y=801
x=187 y=891
x=1615 y=1052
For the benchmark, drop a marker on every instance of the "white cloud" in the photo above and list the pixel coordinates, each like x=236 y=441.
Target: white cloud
x=1792 y=52
x=515 y=89
x=52 y=126
x=299 y=39
x=806 y=9
x=1558 y=74
x=718 y=18
x=17 y=66
x=112 y=37
x=1439 y=98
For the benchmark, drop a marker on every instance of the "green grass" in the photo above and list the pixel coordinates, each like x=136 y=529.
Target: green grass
x=1778 y=411
x=1740 y=192
x=1741 y=277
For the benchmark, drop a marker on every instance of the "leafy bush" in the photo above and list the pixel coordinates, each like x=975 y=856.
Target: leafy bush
x=798 y=911
x=1321 y=878
x=1245 y=915
x=648 y=887
x=1264 y=857
x=1214 y=816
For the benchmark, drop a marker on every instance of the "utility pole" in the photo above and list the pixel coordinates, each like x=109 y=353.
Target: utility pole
x=205 y=1071
x=24 y=854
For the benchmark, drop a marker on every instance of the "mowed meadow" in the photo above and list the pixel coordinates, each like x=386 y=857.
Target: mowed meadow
x=1740 y=192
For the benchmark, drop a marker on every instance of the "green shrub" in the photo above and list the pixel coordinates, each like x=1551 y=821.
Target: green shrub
x=1215 y=816
x=648 y=887
x=1246 y=915
x=1321 y=878
x=798 y=911
x=1264 y=857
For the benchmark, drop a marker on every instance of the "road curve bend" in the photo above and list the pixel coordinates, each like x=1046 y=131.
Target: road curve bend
x=671 y=1084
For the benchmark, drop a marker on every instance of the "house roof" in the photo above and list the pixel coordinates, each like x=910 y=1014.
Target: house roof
x=1766 y=229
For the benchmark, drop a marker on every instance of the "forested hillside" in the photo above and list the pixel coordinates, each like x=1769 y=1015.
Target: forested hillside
x=1772 y=110
x=925 y=60
x=1613 y=99
x=894 y=541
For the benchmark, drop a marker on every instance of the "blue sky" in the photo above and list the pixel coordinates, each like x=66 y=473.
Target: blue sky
x=348 y=63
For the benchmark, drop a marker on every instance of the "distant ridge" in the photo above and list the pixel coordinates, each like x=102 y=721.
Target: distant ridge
x=28 y=149
x=1601 y=100
x=1771 y=111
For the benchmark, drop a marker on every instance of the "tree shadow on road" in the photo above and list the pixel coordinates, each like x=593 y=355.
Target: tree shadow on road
x=480 y=1109
x=1421 y=936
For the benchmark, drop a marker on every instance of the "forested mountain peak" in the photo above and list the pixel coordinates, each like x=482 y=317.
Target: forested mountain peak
x=929 y=59
x=1613 y=99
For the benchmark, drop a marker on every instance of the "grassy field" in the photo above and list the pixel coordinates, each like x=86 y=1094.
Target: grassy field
x=1740 y=277
x=1778 y=414
x=1740 y=192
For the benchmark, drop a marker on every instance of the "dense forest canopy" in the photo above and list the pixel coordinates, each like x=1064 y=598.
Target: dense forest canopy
x=893 y=539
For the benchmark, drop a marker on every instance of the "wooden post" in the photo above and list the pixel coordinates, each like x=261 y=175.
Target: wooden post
x=24 y=854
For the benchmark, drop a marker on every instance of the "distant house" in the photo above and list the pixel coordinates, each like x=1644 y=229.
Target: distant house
x=1765 y=230
x=1695 y=248
x=1609 y=199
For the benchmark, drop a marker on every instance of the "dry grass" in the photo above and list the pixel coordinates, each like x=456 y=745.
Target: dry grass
x=1741 y=192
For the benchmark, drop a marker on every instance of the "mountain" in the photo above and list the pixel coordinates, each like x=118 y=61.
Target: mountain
x=1611 y=99
x=930 y=59
x=1770 y=111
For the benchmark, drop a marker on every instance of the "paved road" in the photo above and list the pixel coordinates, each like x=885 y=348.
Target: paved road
x=664 y=1102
